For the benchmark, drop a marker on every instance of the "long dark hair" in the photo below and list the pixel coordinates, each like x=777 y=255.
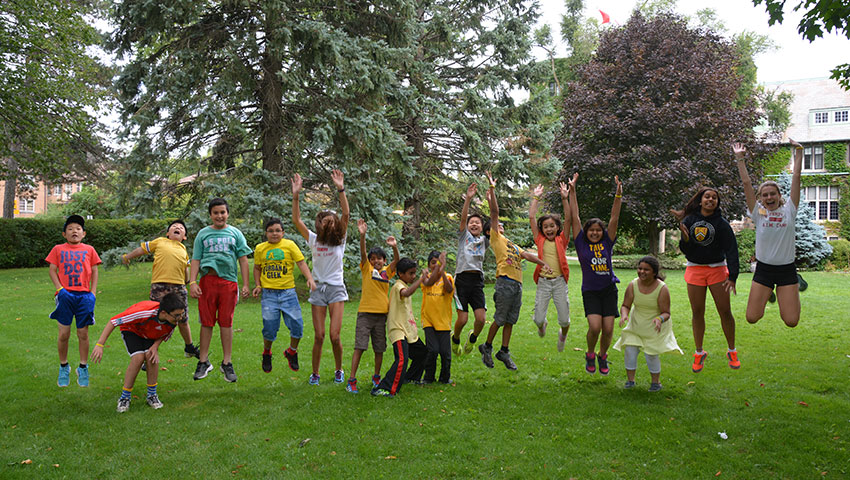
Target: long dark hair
x=329 y=236
x=693 y=204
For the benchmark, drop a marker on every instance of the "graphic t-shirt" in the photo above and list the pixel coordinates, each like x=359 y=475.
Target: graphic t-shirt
x=327 y=261
x=143 y=320
x=775 y=233
x=400 y=320
x=437 y=305
x=508 y=256
x=376 y=284
x=74 y=264
x=470 y=252
x=219 y=249
x=595 y=259
x=170 y=260
x=277 y=262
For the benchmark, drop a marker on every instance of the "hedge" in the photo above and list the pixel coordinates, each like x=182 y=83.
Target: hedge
x=26 y=241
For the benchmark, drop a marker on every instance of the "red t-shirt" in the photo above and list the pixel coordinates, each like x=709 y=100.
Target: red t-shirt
x=75 y=264
x=141 y=319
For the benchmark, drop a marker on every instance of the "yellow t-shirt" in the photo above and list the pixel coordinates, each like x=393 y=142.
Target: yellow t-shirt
x=400 y=320
x=376 y=284
x=507 y=256
x=170 y=260
x=550 y=256
x=276 y=261
x=437 y=306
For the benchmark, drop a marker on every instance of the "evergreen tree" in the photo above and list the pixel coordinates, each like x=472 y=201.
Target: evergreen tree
x=811 y=243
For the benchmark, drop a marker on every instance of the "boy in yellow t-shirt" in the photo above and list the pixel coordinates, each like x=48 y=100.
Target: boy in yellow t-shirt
x=169 y=273
x=374 y=305
x=507 y=295
x=437 y=295
x=273 y=276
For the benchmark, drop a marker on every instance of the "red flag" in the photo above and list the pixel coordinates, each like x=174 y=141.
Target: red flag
x=605 y=17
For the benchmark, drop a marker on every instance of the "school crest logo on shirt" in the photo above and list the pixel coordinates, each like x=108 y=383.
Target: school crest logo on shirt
x=702 y=232
x=275 y=254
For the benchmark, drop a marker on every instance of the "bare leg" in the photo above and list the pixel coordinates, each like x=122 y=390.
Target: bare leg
x=788 y=297
x=491 y=332
x=594 y=326
x=185 y=332
x=62 y=342
x=655 y=377
x=83 y=337
x=267 y=344
x=336 y=310
x=460 y=323
x=153 y=373
x=319 y=335
x=355 y=362
x=724 y=309
x=630 y=375
x=133 y=370
x=696 y=296
x=293 y=343
x=607 y=334
x=506 y=335
x=480 y=317
x=379 y=360
x=206 y=338
x=226 y=343
x=756 y=302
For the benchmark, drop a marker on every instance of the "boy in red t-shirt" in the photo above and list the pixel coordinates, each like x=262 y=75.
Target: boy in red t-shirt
x=73 y=270
x=144 y=326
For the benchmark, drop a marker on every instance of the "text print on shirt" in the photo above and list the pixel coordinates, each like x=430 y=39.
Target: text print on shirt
x=72 y=264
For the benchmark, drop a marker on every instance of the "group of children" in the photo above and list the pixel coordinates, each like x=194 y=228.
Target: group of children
x=385 y=314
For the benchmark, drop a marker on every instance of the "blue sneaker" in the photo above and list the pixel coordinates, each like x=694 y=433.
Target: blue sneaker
x=314 y=379
x=339 y=376
x=64 y=376
x=352 y=386
x=83 y=376
x=376 y=379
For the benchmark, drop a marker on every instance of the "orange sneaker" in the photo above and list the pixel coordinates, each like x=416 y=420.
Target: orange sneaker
x=699 y=360
x=733 y=360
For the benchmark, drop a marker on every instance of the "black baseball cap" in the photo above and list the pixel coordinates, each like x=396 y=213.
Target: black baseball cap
x=75 y=219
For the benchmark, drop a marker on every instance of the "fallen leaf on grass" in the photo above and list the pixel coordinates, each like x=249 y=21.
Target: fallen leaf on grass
x=56 y=465
x=333 y=452
x=170 y=360
x=304 y=442
x=14 y=426
x=163 y=369
x=691 y=382
x=26 y=462
x=717 y=474
x=747 y=404
x=577 y=349
x=803 y=403
x=390 y=457
x=761 y=384
x=239 y=330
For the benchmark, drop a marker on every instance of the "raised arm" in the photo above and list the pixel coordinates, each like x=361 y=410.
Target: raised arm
x=361 y=228
x=338 y=179
x=565 y=204
x=740 y=150
x=392 y=242
x=491 y=200
x=532 y=209
x=615 y=209
x=576 y=221
x=296 y=207
x=410 y=290
x=628 y=298
x=467 y=199
x=448 y=286
x=137 y=252
x=796 y=173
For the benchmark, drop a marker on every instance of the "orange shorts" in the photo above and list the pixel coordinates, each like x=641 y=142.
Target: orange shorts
x=703 y=276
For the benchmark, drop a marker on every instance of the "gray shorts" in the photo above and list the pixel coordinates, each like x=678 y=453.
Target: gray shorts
x=374 y=326
x=508 y=299
x=326 y=294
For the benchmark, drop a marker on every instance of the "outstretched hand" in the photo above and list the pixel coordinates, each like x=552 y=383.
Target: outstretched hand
x=619 y=185
x=470 y=192
x=564 y=189
x=573 y=181
x=739 y=149
x=361 y=226
x=296 y=184
x=537 y=191
x=490 y=178
x=391 y=241
x=337 y=177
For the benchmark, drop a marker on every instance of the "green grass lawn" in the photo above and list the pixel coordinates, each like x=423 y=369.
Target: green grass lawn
x=786 y=412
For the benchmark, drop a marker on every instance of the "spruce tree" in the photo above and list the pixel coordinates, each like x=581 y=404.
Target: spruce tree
x=811 y=243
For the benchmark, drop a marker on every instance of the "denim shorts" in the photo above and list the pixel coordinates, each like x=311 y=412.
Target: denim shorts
x=72 y=304
x=275 y=303
x=326 y=294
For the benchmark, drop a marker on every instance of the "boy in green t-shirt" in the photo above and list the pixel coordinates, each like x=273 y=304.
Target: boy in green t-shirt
x=217 y=251
x=273 y=276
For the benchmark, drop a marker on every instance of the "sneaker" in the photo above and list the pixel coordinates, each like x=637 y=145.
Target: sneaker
x=734 y=364
x=590 y=362
x=190 y=350
x=699 y=361
x=292 y=357
x=144 y=366
x=486 y=354
x=376 y=379
x=339 y=376
x=202 y=370
x=505 y=357
x=352 y=386
x=83 y=376
x=772 y=298
x=124 y=405
x=380 y=392
x=267 y=362
x=64 y=376
x=153 y=402
x=562 y=339
x=603 y=364
x=629 y=384
x=468 y=346
x=456 y=349
x=228 y=372
x=541 y=329
x=314 y=379
x=654 y=387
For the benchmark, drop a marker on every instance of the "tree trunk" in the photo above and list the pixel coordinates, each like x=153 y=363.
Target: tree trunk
x=412 y=206
x=653 y=237
x=271 y=96
x=10 y=189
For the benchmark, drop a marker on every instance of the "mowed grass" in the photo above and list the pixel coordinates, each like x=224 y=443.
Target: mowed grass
x=786 y=412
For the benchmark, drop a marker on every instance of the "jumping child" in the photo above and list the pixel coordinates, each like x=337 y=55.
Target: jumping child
x=437 y=290
x=469 y=274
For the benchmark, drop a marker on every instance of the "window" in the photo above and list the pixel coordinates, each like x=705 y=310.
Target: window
x=841 y=116
x=26 y=205
x=821 y=117
x=813 y=157
x=823 y=200
x=57 y=190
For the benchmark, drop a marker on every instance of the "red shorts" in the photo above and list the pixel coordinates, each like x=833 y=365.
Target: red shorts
x=703 y=276
x=218 y=301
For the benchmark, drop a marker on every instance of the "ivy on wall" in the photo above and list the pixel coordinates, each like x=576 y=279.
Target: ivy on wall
x=777 y=162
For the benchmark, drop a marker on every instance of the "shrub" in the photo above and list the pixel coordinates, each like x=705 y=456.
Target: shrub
x=746 y=248
x=840 y=258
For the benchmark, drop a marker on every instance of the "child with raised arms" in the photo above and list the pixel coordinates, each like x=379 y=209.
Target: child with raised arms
x=144 y=326
x=437 y=292
x=775 y=221
x=73 y=271
x=552 y=239
x=169 y=272
x=646 y=308
x=469 y=274
x=327 y=246
x=374 y=305
x=274 y=263
x=594 y=246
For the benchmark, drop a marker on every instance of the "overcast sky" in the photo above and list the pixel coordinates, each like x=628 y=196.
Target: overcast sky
x=794 y=58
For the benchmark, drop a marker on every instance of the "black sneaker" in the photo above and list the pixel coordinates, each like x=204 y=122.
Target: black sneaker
x=292 y=357
x=145 y=366
x=190 y=350
x=486 y=354
x=603 y=364
x=123 y=405
x=202 y=370
x=267 y=362
x=227 y=370
x=505 y=357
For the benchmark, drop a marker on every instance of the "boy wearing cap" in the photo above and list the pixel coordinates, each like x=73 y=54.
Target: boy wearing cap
x=73 y=270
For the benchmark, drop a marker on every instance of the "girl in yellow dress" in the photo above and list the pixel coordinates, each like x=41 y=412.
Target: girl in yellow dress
x=649 y=326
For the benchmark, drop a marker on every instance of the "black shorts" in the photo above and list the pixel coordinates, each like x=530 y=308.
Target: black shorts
x=778 y=275
x=136 y=344
x=601 y=302
x=469 y=291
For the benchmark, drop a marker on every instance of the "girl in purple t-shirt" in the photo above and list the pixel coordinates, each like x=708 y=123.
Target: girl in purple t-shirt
x=599 y=284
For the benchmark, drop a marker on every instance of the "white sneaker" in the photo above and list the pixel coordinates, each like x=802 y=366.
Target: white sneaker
x=561 y=340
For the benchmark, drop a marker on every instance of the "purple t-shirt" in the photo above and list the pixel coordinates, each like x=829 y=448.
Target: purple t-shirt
x=595 y=259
